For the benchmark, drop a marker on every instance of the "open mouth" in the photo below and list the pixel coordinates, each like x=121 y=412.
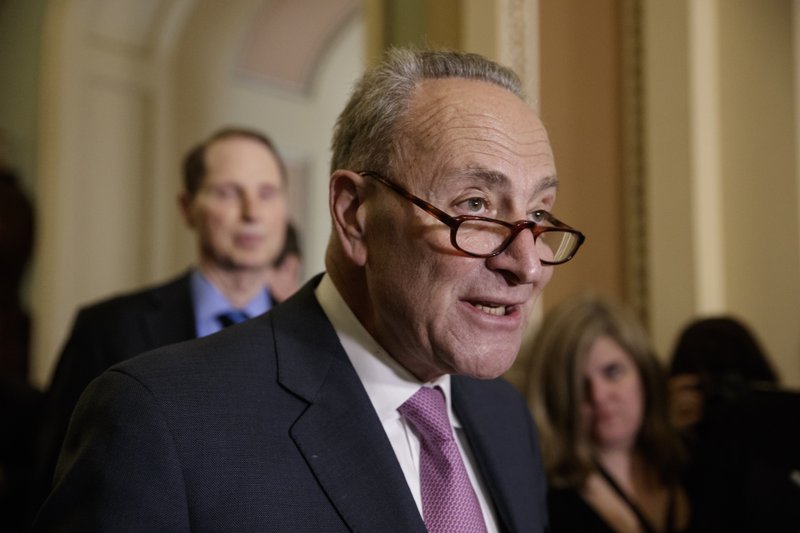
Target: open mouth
x=496 y=310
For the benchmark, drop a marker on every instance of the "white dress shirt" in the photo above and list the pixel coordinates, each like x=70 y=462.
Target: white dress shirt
x=388 y=386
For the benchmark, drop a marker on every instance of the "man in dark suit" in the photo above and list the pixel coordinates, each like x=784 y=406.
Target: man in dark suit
x=234 y=199
x=370 y=400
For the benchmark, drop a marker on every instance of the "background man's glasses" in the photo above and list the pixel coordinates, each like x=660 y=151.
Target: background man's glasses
x=556 y=242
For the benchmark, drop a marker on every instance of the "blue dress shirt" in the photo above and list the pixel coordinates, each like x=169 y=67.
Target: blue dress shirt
x=209 y=303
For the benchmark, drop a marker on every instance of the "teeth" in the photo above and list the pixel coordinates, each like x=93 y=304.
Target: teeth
x=492 y=310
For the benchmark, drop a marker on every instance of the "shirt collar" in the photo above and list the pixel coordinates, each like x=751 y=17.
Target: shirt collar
x=388 y=384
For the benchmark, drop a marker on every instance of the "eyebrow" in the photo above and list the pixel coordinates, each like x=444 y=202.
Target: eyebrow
x=548 y=182
x=494 y=177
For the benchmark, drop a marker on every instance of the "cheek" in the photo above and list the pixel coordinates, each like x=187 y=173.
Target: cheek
x=226 y=214
x=585 y=411
x=411 y=293
x=437 y=279
x=275 y=211
x=215 y=221
x=415 y=270
x=547 y=275
x=409 y=280
x=216 y=225
x=637 y=401
x=392 y=251
x=586 y=419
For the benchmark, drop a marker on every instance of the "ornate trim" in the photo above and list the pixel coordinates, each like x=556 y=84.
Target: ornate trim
x=518 y=38
x=634 y=159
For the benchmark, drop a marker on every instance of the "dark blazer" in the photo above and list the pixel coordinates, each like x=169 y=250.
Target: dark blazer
x=104 y=334
x=266 y=426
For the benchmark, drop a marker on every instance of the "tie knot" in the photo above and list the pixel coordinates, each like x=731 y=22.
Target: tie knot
x=232 y=317
x=426 y=411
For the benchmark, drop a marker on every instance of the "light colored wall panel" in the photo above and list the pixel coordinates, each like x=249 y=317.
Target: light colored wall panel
x=759 y=176
x=708 y=237
x=581 y=107
x=793 y=345
x=112 y=189
x=57 y=221
x=124 y=23
x=668 y=170
x=722 y=170
x=96 y=162
x=478 y=18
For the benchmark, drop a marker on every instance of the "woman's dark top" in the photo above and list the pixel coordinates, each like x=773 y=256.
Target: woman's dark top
x=569 y=513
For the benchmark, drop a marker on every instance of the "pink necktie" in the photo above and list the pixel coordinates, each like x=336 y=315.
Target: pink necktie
x=449 y=503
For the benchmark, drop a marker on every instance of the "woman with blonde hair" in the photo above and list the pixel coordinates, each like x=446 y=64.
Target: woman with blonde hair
x=598 y=395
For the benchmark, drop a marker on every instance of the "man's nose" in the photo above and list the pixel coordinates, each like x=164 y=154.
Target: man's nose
x=249 y=206
x=520 y=260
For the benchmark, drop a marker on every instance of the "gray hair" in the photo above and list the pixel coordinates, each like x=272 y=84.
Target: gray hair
x=365 y=132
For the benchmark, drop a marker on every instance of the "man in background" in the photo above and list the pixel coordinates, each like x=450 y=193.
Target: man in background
x=369 y=400
x=234 y=199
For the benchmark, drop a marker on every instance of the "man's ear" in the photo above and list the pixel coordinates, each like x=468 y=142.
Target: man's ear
x=346 y=197
x=185 y=204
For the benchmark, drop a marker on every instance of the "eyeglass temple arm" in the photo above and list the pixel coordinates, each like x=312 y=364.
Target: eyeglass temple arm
x=419 y=202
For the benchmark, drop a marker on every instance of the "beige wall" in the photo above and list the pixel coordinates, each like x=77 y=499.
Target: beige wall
x=759 y=145
x=581 y=107
x=722 y=170
x=668 y=169
x=20 y=26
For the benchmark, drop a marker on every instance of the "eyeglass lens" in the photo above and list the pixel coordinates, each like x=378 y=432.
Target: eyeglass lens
x=483 y=237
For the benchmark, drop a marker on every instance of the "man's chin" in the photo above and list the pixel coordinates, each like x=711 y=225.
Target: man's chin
x=245 y=267
x=490 y=367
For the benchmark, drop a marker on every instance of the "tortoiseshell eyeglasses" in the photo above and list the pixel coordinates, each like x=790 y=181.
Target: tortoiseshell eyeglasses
x=556 y=242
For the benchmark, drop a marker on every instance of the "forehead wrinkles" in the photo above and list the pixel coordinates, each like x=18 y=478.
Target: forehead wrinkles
x=446 y=130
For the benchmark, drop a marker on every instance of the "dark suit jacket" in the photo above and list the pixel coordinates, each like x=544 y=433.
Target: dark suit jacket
x=266 y=426
x=104 y=334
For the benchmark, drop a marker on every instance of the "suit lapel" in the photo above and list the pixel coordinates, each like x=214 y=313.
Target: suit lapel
x=498 y=438
x=339 y=434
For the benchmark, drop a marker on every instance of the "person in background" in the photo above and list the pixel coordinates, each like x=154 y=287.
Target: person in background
x=17 y=229
x=742 y=430
x=20 y=401
x=713 y=357
x=234 y=200
x=287 y=270
x=370 y=400
x=598 y=396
